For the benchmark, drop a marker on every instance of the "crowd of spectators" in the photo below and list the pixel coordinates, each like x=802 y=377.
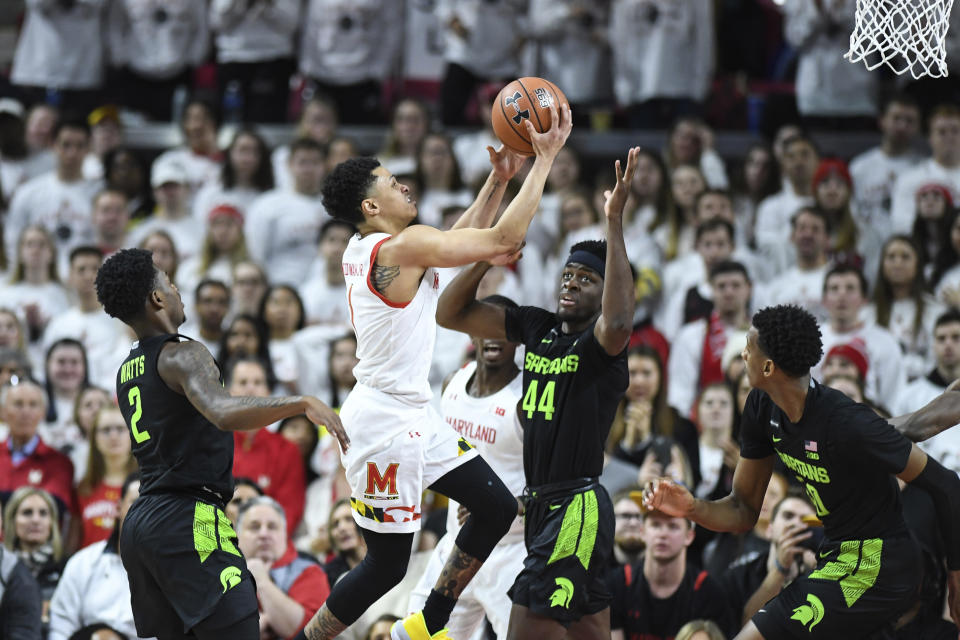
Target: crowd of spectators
x=869 y=244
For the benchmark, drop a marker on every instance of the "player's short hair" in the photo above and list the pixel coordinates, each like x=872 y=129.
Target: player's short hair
x=729 y=266
x=713 y=224
x=261 y=500
x=85 y=250
x=950 y=316
x=812 y=210
x=346 y=187
x=843 y=269
x=790 y=336
x=597 y=248
x=125 y=281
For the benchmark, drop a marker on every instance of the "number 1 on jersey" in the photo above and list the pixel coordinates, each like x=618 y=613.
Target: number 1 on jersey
x=134 y=398
x=530 y=404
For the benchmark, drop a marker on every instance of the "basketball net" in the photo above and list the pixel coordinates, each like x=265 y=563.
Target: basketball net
x=905 y=35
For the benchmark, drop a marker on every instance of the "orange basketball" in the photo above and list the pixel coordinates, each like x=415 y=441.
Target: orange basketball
x=524 y=99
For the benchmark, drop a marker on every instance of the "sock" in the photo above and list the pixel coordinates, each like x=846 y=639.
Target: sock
x=437 y=611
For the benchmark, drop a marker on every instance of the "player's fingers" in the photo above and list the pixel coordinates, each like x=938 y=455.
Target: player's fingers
x=555 y=116
x=531 y=130
x=616 y=167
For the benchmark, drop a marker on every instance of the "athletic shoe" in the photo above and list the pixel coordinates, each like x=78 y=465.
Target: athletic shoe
x=413 y=627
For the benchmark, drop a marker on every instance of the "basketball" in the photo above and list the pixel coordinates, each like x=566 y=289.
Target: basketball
x=524 y=99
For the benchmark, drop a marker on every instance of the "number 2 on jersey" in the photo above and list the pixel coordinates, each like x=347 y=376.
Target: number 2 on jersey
x=545 y=405
x=134 y=398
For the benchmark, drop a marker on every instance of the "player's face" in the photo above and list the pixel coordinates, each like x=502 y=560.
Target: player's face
x=494 y=353
x=581 y=291
x=112 y=437
x=753 y=358
x=33 y=522
x=946 y=344
x=172 y=301
x=628 y=531
x=393 y=198
x=262 y=533
x=666 y=537
x=23 y=409
x=644 y=378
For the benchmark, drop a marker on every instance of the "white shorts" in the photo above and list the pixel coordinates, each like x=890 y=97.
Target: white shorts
x=485 y=595
x=396 y=451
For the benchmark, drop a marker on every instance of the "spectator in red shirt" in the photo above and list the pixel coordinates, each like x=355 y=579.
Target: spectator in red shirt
x=109 y=462
x=290 y=588
x=25 y=459
x=267 y=458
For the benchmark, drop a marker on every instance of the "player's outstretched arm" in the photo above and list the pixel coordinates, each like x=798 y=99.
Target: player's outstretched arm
x=936 y=416
x=737 y=513
x=423 y=246
x=480 y=214
x=616 y=317
x=459 y=309
x=188 y=368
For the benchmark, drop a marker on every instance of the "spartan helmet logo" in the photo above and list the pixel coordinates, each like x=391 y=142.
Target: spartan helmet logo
x=229 y=578
x=809 y=614
x=564 y=593
x=512 y=102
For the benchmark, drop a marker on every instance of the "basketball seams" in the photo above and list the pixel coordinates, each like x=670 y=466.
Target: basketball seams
x=533 y=106
x=556 y=95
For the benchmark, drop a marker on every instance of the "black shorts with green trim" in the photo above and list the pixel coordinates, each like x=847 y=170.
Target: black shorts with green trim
x=182 y=559
x=858 y=590
x=568 y=531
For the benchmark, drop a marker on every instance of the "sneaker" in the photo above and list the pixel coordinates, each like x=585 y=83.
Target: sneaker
x=413 y=627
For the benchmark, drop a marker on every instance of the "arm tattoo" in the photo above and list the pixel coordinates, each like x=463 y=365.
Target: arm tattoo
x=383 y=276
x=493 y=191
x=323 y=626
x=457 y=573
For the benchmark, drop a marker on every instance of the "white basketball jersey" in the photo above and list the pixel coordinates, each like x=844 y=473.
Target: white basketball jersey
x=491 y=425
x=394 y=341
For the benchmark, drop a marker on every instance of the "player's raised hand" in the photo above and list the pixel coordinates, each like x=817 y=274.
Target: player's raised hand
x=549 y=143
x=668 y=497
x=505 y=162
x=509 y=258
x=616 y=199
x=319 y=413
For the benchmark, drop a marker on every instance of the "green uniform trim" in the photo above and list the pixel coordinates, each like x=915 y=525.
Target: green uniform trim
x=206 y=537
x=578 y=531
x=856 y=568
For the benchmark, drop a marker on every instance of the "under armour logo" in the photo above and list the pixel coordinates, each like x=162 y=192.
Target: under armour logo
x=809 y=614
x=512 y=102
x=564 y=593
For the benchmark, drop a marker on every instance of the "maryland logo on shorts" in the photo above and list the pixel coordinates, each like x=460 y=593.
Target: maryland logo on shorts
x=464 y=446
x=385 y=515
x=382 y=486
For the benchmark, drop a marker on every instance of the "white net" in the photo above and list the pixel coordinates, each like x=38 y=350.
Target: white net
x=906 y=35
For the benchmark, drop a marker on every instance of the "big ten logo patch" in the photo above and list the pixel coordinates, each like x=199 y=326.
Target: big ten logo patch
x=382 y=486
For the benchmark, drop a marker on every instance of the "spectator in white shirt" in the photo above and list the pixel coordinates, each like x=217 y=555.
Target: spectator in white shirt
x=931 y=229
x=46 y=58
x=802 y=284
x=160 y=244
x=41 y=124
x=86 y=322
x=943 y=167
x=348 y=48
x=282 y=227
x=110 y=219
x=830 y=90
x=199 y=155
x=106 y=134
x=438 y=173
x=317 y=121
x=832 y=194
x=249 y=286
x=125 y=171
x=664 y=58
x=800 y=162
x=482 y=43
x=875 y=171
x=675 y=237
x=324 y=293
x=690 y=142
x=758 y=179
x=409 y=123
x=211 y=304
x=945 y=447
x=34 y=291
x=245 y=175
x=223 y=248
x=282 y=312
x=66 y=373
x=902 y=303
x=94 y=588
x=156 y=43
x=254 y=43
x=172 y=213
x=696 y=354
x=844 y=296
x=61 y=199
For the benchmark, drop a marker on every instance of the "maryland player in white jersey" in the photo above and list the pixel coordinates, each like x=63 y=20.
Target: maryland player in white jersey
x=479 y=402
x=399 y=444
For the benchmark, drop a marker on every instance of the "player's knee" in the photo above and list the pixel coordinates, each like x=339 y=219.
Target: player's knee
x=501 y=511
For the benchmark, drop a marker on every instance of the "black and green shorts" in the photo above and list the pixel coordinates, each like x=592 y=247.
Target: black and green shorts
x=182 y=559
x=568 y=530
x=858 y=590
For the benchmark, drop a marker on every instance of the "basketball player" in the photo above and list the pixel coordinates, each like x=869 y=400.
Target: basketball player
x=400 y=443
x=187 y=577
x=574 y=374
x=845 y=456
x=480 y=402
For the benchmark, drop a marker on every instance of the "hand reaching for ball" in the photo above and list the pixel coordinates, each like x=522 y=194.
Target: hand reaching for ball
x=549 y=143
